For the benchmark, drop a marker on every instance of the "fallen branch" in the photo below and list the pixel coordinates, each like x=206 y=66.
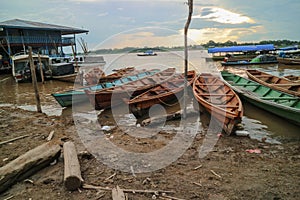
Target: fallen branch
x=197 y=167
x=214 y=173
x=111 y=176
x=50 y=136
x=169 y=197
x=14 y=139
x=86 y=186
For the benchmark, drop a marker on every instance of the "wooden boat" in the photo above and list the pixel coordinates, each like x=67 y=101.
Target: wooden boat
x=75 y=96
x=103 y=99
x=292 y=78
x=258 y=60
x=219 y=100
x=118 y=73
x=21 y=67
x=289 y=61
x=279 y=103
x=274 y=82
x=166 y=94
x=63 y=71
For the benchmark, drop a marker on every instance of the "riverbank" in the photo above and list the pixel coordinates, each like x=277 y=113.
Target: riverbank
x=230 y=171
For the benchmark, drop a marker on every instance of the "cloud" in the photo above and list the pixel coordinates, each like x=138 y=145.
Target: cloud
x=222 y=16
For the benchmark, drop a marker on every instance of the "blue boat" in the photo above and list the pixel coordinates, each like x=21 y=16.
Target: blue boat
x=76 y=96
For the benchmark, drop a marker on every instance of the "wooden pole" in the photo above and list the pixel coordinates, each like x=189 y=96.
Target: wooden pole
x=190 y=4
x=72 y=174
x=34 y=81
x=76 y=62
x=41 y=68
x=27 y=164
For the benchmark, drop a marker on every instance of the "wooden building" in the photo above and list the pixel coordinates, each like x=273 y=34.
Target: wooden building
x=48 y=39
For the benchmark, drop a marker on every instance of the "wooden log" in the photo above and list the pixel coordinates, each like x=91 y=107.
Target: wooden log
x=27 y=164
x=117 y=193
x=72 y=174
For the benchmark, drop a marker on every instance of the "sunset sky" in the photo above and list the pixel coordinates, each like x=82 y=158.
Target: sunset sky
x=139 y=23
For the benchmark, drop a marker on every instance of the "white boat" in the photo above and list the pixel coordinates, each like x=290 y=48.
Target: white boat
x=21 y=67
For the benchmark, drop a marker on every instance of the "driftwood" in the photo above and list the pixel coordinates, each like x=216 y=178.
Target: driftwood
x=27 y=164
x=14 y=139
x=117 y=193
x=50 y=136
x=72 y=174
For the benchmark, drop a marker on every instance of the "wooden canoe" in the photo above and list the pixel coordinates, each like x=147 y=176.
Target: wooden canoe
x=274 y=82
x=279 y=103
x=289 y=61
x=77 y=95
x=103 y=99
x=167 y=94
x=118 y=73
x=219 y=100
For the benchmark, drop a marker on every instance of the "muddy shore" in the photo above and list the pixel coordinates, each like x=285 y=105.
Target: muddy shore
x=228 y=172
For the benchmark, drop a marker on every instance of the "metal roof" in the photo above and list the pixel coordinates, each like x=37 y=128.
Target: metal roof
x=264 y=47
x=24 y=24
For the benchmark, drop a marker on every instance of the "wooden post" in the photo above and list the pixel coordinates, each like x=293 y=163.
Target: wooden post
x=27 y=164
x=34 y=81
x=76 y=62
x=41 y=68
x=72 y=174
x=190 y=4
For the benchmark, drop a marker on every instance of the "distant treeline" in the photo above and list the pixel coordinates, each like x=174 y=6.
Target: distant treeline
x=211 y=43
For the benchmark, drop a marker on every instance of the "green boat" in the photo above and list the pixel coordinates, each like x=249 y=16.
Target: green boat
x=279 y=103
x=76 y=96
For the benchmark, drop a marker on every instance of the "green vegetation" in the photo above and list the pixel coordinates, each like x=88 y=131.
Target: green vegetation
x=209 y=44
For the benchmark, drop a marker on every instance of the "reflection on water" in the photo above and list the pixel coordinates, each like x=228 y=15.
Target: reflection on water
x=256 y=121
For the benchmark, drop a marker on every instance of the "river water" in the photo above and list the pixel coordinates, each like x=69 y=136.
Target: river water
x=256 y=122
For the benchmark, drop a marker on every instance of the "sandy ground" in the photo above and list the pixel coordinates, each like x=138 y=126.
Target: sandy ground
x=228 y=172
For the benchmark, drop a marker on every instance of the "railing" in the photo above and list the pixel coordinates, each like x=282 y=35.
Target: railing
x=40 y=40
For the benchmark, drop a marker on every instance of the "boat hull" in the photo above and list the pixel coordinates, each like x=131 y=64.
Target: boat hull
x=281 y=104
x=219 y=100
x=274 y=82
x=108 y=98
x=166 y=94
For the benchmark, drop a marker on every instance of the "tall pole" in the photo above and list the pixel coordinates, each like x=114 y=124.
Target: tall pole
x=34 y=81
x=186 y=27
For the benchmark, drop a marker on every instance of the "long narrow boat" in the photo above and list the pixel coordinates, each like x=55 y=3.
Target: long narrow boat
x=65 y=98
x=274 y=82
x=103 y=99
x=118 y=73
x=279 y=103
x=166 y=94
x=219 y=100
x=289 y=61
x=258 y=60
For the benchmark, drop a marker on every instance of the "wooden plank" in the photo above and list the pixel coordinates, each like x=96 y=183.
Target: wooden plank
x=72 y=173
x=27 y=164
x=117 y=193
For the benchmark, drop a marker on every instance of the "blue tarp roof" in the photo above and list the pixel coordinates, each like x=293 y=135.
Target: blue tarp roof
x=267 y=47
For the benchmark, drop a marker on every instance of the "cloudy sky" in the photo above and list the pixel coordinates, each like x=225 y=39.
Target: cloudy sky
x=139 y=23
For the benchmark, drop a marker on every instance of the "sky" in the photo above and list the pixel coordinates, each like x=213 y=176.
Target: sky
x=150 y=23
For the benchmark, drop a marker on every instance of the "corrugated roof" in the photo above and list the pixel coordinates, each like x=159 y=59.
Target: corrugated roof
x=24 y=24
x=263 y=47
